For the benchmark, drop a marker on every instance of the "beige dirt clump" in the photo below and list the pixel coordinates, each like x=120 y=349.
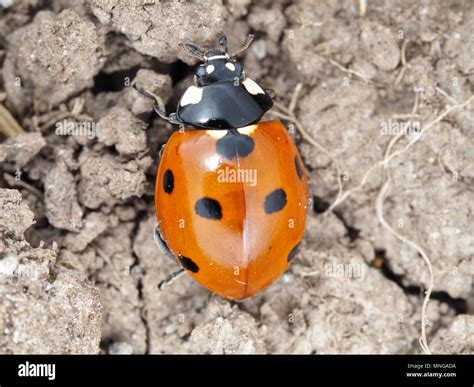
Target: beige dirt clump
x=55 y=56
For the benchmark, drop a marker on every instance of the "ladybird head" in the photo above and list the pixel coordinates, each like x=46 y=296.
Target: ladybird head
x=218 y=65
x=223 y=96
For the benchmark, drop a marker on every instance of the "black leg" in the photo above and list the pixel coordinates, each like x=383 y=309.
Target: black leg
x=164 y=248
x=162 y=243
x=160 y=153
x=169 y=279
x=158 y=106
x=271 y=93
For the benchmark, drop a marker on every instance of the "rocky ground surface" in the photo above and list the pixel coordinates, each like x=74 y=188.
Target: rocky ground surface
x=78 y=265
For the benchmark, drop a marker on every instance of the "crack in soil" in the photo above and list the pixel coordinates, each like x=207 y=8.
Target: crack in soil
x=459 y=305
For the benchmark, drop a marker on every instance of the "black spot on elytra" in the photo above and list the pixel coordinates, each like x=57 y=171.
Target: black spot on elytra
x=299 y=169
x=292 y=253
x=188 y=264
x=275 y=201
x=168 y=181
x=234 y=144
x=208 y=208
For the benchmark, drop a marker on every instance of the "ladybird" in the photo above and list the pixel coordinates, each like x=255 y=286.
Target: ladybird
x=231 y=192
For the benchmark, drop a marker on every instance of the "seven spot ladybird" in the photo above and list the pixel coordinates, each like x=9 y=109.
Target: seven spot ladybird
x=231 y=191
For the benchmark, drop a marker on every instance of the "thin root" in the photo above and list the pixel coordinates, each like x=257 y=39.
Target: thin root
x=380 y=216
x=403 y=60
x=12 y=182
x=451 y=99
x=349 y=71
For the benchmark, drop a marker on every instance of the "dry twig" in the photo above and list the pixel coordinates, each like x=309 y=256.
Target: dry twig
x=8 y=125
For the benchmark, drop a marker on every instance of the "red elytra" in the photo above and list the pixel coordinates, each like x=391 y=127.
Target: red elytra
x=232 y=205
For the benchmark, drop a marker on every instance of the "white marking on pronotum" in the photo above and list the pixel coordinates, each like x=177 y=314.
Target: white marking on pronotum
x=193 y=95
x=230 y=66
x=247 y=129
x=252 y=87
x=216 y=133
x=210 y=69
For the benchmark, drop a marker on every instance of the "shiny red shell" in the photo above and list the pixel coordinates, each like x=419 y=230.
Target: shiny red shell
x=233 y=222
